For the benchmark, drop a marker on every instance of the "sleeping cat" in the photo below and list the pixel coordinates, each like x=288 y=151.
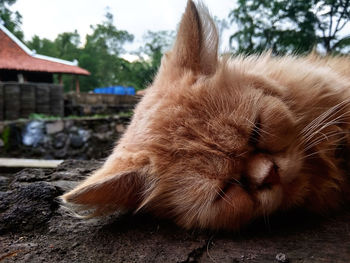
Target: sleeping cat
x=217 y=142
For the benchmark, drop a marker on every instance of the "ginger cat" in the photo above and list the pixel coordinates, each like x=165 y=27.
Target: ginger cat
x=216 y=142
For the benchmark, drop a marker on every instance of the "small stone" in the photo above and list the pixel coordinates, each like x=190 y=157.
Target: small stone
x=84 y=134
x=102 y=128
x=76 y=244
x=54 y=127
x=280 y=257
x=4 y=181
x=33 y=134
x=61 y=153
x=76 y=141
x=68 y=124
x=59 y=141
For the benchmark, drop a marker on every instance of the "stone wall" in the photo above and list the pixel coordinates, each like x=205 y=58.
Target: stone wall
x=88 y=104
x=81 y=138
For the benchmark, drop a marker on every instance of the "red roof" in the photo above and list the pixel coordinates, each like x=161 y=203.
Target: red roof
x=14 y=55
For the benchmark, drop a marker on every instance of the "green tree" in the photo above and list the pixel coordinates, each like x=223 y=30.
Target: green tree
x=156 y=43
x=67 y=45
x=141 y=72
x=43 y=46
x=101 y=54
x=290 y=26
x=12 y=20
x=333 y=16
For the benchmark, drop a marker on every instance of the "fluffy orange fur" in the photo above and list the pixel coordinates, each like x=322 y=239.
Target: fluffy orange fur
x=215 y=143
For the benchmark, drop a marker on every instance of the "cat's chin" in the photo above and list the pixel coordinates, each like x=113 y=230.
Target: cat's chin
x=269 y=200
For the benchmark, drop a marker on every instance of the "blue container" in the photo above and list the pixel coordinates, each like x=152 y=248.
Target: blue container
x=119 y=90
x=130 y=91
x=109 y=90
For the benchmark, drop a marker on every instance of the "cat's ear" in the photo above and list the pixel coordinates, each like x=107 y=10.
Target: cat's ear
x=106 y=193
x=196 y=44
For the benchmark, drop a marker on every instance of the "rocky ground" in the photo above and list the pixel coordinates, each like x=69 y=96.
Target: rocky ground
x=33 y=228
x=71 y=138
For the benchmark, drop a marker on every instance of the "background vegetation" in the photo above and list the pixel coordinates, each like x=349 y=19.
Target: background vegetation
x=281 y=26
x=285 y=26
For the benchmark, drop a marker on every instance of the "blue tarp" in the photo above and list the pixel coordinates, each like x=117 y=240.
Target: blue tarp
x=117 y=90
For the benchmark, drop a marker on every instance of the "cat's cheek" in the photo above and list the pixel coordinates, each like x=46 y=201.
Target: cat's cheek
x=289 y=166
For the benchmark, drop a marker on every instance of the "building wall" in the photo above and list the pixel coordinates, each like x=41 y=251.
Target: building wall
x=39 y=77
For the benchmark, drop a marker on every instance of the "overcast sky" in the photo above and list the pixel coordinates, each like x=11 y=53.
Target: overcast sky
x=48 y=18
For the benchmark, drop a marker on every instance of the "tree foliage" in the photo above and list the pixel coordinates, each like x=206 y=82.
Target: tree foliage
x=101 y=52
x=334 y=17
x=150 y=55
x=101 y=55
x=290 y=26
x=156 y=43
x=12 y=20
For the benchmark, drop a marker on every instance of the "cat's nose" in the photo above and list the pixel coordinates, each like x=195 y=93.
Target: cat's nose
x=262 y=171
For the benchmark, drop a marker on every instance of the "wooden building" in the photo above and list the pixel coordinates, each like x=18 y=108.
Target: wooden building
x=27 y=80
x=20 y=64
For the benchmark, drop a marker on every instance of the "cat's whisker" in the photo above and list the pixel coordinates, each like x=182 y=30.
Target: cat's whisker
x=259 y=130
x=316 y=153
x=320 y=120
x=234 y=181
x=208 y=245
x=324 y=126
x=266 y=219
x=241 y=154
x=310 y=128
x=329 y=112
x=323 y=138
x=223 y=197
x=336 y=121
x=316 y=145
x=311 y=136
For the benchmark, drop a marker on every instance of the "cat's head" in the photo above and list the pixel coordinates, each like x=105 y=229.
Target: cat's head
x=209 y=145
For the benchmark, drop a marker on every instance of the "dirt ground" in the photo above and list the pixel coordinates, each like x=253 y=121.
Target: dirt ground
x=33 y=228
